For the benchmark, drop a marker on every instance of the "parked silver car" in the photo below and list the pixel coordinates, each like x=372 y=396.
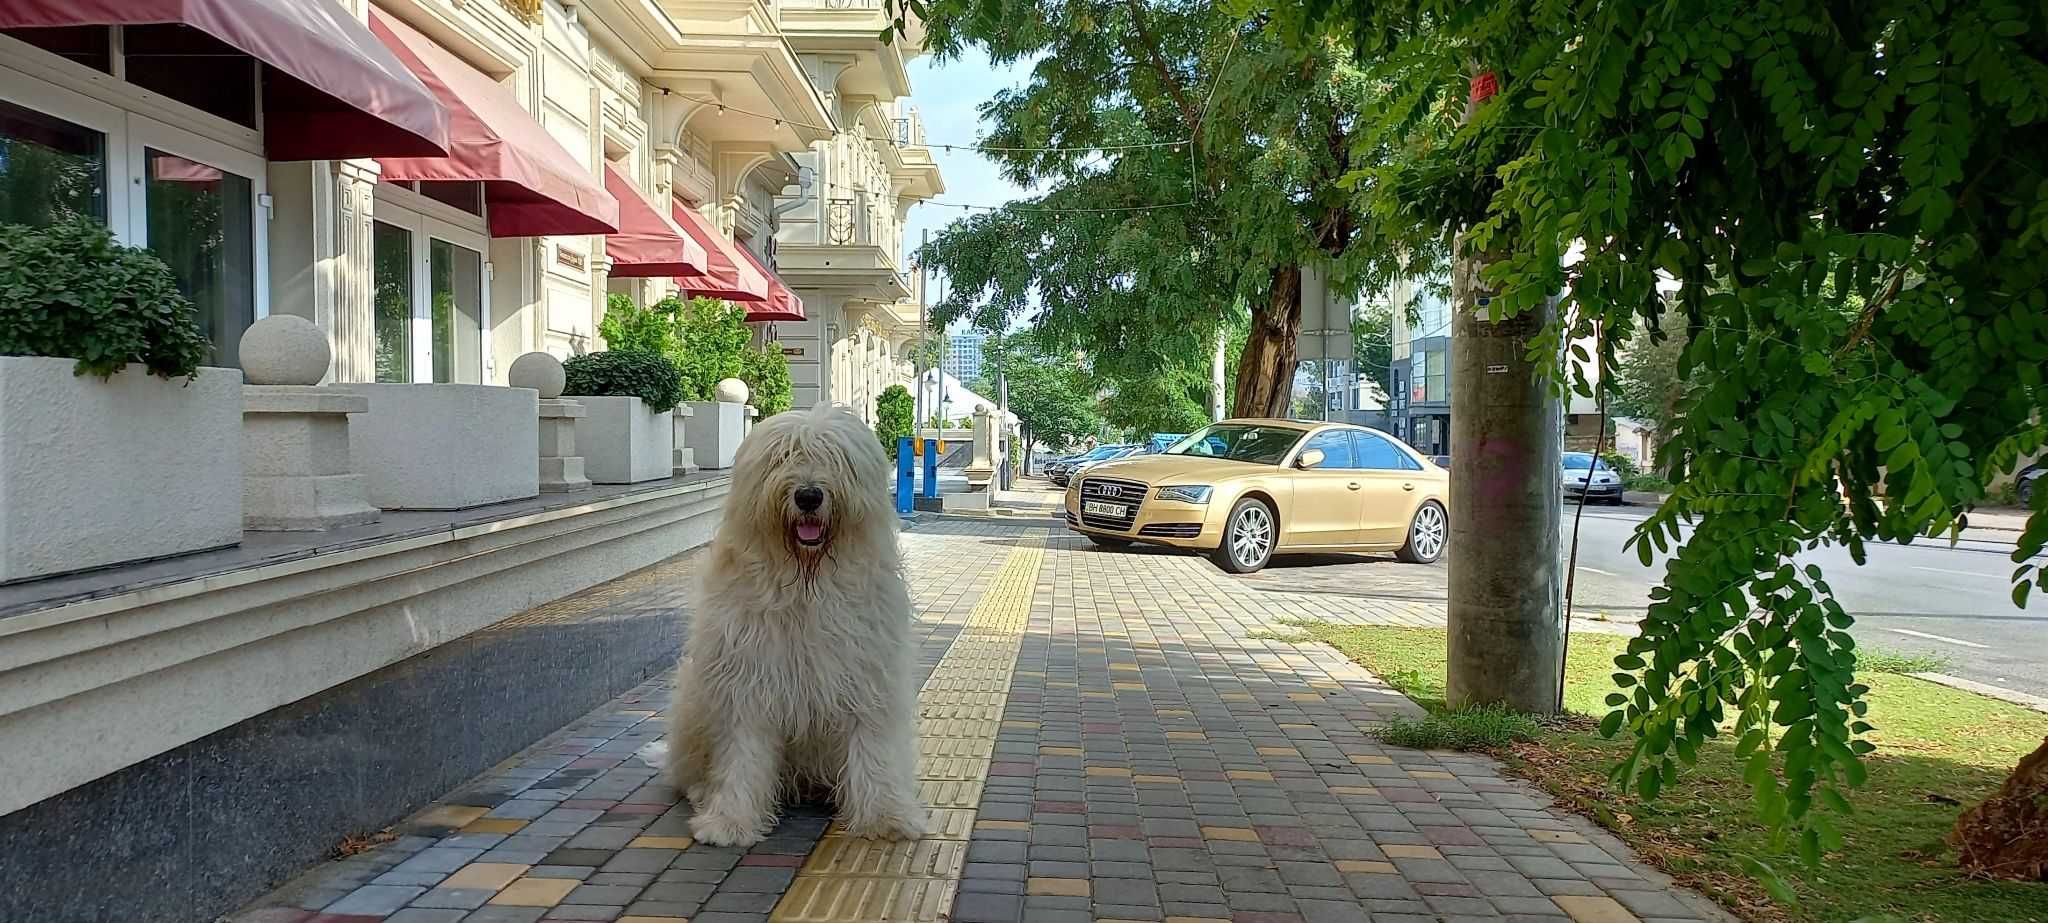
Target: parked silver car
x=1590 y=480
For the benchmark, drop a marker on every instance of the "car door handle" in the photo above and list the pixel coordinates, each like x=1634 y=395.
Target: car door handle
x=1408 y=487
x=1354 y=485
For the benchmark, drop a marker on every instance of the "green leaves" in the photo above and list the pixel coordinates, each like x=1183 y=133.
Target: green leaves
x=894 y=410
x=68 y=290
x=648 y=376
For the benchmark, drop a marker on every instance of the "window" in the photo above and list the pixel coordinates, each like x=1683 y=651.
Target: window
x=1377 y=453
x=430 y=306
x=1264 y=445
x=193 y=68
x=201 y=223
x=391 y=251
x=50 y=169
x=1336 y=447
x=75 y=144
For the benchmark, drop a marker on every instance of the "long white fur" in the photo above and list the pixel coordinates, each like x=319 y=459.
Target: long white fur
x=798 y=669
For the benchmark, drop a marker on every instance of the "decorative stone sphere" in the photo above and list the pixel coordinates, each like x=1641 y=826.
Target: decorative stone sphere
x=540 y=371
x=284 y=349
x=732 y=391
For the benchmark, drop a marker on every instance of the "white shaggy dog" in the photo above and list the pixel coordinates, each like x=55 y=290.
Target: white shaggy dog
x=798 y=669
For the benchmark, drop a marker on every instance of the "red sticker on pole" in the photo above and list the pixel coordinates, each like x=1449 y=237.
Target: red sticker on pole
x=1484 y=85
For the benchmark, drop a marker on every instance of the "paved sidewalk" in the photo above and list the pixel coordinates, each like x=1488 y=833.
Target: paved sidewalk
x=1104 y=738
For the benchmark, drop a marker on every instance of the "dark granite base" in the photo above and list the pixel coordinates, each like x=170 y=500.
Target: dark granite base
x=197 y=832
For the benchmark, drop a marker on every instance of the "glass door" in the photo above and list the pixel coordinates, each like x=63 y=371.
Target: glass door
x=200 y=211
x=432 y=306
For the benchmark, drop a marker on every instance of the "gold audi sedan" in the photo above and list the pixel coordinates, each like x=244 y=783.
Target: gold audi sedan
x=1245 y=490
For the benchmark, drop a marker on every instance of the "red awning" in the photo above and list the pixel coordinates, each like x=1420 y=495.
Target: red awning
x=648 y=244
x=732 y=277
x=532 y=185
x=782 y=303
x=332 y=90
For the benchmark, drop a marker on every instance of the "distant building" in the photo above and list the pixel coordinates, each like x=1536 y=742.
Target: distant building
x=963 y=355
x=1419 y=410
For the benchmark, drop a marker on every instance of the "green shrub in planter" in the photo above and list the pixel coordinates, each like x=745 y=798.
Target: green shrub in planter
x=648 y=376
x=69 y=291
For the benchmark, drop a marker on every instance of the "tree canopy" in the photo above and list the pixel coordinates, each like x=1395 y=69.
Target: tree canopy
x=1853 y=196
x=1192 y=163
x=1050 y=393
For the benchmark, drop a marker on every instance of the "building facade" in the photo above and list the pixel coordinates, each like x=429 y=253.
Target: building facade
x=963 y=358
x=1419 y=409
x=443 y=185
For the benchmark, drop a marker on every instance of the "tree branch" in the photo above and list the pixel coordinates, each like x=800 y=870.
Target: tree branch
x=1152 y=52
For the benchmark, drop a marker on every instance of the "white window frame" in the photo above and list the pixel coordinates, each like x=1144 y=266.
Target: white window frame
x=426 y=220
x=132 y=118
x=146 y=134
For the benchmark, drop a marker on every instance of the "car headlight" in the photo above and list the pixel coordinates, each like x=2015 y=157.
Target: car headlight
x=1191 y=493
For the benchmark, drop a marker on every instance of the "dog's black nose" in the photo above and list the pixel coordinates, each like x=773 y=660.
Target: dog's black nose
x=809 y=499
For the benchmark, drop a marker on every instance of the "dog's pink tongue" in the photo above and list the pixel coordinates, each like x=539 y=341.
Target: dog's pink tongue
x=809 y=531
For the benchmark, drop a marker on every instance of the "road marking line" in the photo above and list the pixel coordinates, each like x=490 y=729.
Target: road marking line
x=1595 y=570
x=1955 y=573
x=1942 y=638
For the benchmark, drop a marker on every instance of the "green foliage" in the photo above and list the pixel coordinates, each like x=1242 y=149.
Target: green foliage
x=766 y=372
x=68 y=290
x=1482 y=728
x=894 y=408
x=1372 y=345
x=1648 y=483
x=1049 y=392
x=627 y=326
x=1878 y=660
x=1196 y=168
x=711 y=335
x=1853 y=196
x=648 y=376
x=1623 y=466
x=1648 y=386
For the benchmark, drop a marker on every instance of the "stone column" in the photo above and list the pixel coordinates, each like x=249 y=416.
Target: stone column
x=561 y=469
x=686 y=457
x=296 y=471
x=981 y=469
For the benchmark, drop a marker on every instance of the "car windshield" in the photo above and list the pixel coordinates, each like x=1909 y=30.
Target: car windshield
x=1245 y=442
x=1104 y=451
x=1582 y=461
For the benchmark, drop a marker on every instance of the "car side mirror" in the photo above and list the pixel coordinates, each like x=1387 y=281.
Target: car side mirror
x=1309 y=459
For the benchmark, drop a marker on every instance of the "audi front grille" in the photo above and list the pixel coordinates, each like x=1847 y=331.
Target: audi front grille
x=1111 y=490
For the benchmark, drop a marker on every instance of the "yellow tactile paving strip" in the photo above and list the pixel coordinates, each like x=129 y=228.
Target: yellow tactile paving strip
x=960 y=708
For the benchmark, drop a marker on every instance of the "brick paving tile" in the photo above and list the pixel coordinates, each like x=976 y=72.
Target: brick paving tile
x=1148 y=756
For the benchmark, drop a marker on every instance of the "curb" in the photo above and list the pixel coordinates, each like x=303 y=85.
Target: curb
x=2022 y=699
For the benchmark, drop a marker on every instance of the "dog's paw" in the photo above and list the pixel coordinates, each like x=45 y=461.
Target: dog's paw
x=718 y=830
x=907 y=824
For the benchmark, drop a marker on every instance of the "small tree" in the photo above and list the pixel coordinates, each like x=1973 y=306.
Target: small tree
x=766 y=373
x=627 y=326
x=711 y=336
x=894 y=409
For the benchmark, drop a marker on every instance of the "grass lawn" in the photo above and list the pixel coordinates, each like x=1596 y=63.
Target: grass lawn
x=1938 y=749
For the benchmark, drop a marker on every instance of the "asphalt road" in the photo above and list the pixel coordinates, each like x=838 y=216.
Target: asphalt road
x=1929 y=597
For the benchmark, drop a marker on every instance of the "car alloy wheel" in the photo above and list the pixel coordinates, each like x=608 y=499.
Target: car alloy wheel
x=1426 y=535
x=1248 y=538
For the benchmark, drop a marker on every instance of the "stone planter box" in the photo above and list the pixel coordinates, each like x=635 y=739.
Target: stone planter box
x=623 y=441
x=715 y=429
x=97 y=472
x=446 y=447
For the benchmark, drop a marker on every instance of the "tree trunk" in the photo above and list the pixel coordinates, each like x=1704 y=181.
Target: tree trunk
x=1265 y=371
x=2007 y=835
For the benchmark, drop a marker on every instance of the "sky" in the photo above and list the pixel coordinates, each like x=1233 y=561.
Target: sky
x=949 y=95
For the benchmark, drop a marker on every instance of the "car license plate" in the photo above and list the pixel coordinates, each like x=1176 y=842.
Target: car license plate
x=1116 y=510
